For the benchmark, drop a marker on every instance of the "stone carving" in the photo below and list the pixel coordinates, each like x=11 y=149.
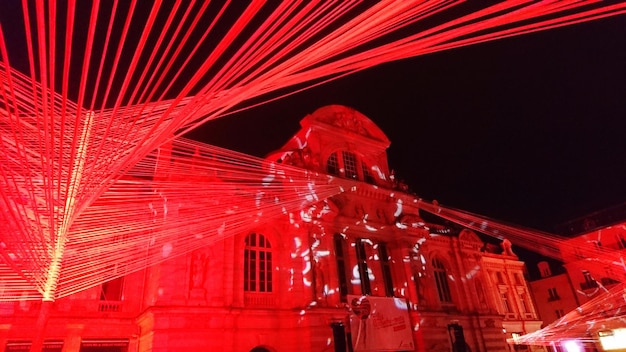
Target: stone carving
x=507 y=248
x=198 y=269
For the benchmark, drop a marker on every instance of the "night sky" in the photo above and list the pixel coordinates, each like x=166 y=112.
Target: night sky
x=528 y=130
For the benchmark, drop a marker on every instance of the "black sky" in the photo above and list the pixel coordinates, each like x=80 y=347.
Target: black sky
x=529 y=130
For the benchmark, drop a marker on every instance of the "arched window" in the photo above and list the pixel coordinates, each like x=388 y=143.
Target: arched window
x=257 y=271
x=349 y=164
x=441 y=278
x=332 y=165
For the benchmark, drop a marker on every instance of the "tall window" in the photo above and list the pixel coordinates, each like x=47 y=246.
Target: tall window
x=386 y=268
x=361 y=258
x=506 y=303
x=522 y=298
x=332 y=165
x=349 y=164
x=257 y=271
x=441 y=278
x=367 y=174
x=341 y=266
x=499 y=277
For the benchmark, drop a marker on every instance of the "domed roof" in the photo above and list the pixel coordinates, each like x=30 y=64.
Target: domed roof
x=348 y=119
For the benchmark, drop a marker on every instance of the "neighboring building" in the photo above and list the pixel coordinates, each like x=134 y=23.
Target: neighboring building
x=593 y=263
x=594 y=260
x=359 y=271
x=554 y=294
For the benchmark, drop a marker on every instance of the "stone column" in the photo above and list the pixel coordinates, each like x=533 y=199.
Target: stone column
x=73 y=338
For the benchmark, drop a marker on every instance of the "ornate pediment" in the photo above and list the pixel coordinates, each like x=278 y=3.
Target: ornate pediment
x=350 y=120
x=470 y=236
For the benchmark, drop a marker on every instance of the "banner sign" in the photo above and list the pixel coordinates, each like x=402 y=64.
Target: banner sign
x=380 y=324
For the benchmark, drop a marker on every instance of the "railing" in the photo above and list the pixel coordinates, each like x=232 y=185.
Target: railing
x=252 y=299
x=110 y=306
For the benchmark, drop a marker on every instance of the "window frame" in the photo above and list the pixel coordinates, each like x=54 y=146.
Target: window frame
x=257 y=269
x=340 y=261
x=385 y=265
x=349 y=164
x=361 y=257
x=506 y=302
x=440 y=273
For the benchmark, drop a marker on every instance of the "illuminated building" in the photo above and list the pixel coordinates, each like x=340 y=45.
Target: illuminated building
x=362 y=268
x=90 y=92
x=583 y=307
x=554 y=294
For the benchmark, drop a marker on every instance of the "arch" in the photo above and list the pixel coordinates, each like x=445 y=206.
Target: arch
x=470 y=236
x=261 y=349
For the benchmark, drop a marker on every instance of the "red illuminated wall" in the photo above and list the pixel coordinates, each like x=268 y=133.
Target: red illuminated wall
x=287 y=283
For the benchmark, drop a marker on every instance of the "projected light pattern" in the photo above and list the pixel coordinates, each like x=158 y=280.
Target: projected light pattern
x=602 y=314
x=103 y=86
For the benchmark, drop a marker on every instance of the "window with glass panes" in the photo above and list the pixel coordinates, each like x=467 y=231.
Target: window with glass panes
x=505 y=302
x=341 y=266
x=349 y=165
x=361 y=258
x=441 y=279
x=332 y=164
x=386 y=268
x=257 y=270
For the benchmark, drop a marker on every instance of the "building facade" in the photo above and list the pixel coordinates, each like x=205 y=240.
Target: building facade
x=554 y=294
x=360 y=271
x=585 y=303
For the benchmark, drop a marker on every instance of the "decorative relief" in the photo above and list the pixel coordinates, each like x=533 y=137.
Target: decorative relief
x=199 y=264
x=348 y=120
x=198 y=269
x=303 y=158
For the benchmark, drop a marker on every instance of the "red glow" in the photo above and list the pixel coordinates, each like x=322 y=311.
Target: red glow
x=69 y=158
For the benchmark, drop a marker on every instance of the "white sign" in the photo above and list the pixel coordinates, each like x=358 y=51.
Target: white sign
x=380 y=324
